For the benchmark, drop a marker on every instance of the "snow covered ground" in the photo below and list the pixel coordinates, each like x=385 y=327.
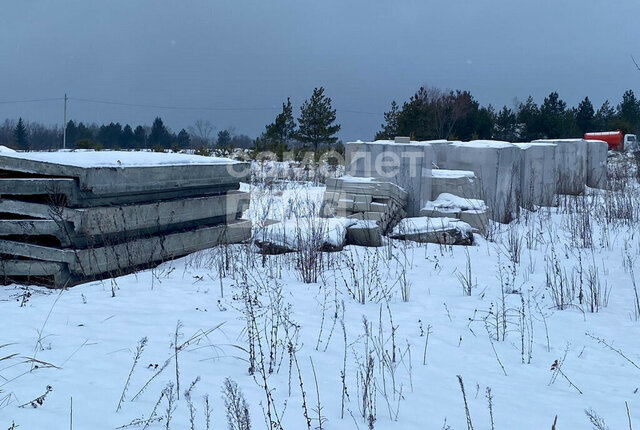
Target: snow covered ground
x=388 y=331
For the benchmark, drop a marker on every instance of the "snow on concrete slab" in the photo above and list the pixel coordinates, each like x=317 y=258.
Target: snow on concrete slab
x=447 y=200
x=356 y=179
x=557 y=140
x=527 y=145
x=418 y=225
x=118 y=159
x=364 y=224
x=497 y=144
x=300 y=233
x=393 y=142
x=446 y=173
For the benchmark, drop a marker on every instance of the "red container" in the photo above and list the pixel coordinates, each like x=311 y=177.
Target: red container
x=614 y=139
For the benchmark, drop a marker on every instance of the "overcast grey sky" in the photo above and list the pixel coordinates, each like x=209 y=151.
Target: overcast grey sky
x=255 y=53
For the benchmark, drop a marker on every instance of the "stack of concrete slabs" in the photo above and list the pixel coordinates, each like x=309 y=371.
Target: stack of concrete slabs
x=71 y=217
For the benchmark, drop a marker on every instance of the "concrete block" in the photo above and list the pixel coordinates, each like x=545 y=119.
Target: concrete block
x=378 y=207
x=440 y=150
x=597 y=163
x=441 y=212
x=373 y=216
x=407 y=165
x=497 y=166
x=364 y=233
x=462 y=183
x=571 y=165
x=538 y=177
x=478 y=219
x=352 y=205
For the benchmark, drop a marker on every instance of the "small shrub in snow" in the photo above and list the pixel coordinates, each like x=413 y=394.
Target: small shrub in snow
x=236 y=406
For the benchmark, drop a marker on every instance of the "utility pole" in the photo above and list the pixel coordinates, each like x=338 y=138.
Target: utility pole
x=64 y=127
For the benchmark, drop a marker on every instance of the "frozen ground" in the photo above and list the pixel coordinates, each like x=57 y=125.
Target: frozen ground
x=529 y=306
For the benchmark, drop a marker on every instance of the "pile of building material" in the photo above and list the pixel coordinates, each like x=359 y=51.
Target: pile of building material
x=402 y=162
x=72 y=217
x=505 y=176
x=365 y=199
x=537 y=174
x=470 y=211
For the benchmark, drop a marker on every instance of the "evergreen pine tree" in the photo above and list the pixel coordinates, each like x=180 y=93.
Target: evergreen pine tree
x=183 y=139
x=585 y=116
x=20 y=135
x=140 y=137
x=159 y=135
x=552 y=116
x=84 y=132
x=604 y=117
x=110 y=135
x=282 y=130
x=390 y=126
x=629 y=111
x=72 y=132
x=316 y=121
x=505 y=126
x=529 y=120
x=127 y=138
x=224 y=138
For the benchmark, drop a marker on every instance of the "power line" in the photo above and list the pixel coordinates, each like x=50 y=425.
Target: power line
x=203 y=108
x=57 y=99
x=169 y=107
x=359 y=112
x=105 y=102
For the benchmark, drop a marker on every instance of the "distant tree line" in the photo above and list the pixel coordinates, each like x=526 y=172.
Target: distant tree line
x=430 y=113
x=455 y=115
x=34 y=136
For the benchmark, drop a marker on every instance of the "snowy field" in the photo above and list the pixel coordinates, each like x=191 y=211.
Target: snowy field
x=541 y=320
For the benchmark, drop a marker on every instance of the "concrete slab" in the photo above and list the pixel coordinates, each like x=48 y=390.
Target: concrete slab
x=110 y=173
x=444 y=231
x=471 y=211
x=30 y=230
x=109 y=261
x=63 y=189
x=117 y=223
x=28 y=272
